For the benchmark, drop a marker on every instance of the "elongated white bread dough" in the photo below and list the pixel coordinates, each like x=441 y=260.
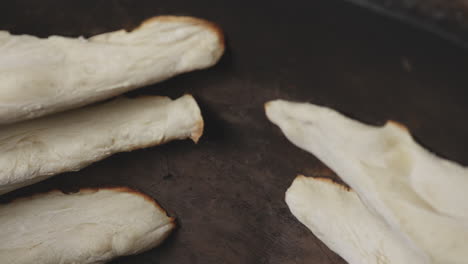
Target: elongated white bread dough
x=88 y=227
x=34 y=150
x=421 y=197
x=42 y=76
x=338 y=218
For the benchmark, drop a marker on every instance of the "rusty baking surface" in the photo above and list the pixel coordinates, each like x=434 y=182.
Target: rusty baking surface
x=227 y=192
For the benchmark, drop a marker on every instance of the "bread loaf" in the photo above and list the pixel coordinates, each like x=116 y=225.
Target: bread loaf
x=89 y=227
x=42 y=76
x=34 y=150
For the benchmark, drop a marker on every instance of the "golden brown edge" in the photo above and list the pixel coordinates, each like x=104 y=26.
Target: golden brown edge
x=194 y=136
x=200 y=127
x=399 y=125
x=215 y=28
x=198 y=133
x=125 y=189
x=122 y=189
x=326 y=180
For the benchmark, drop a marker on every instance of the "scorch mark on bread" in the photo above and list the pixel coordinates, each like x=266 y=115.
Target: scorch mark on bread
x=326 y=180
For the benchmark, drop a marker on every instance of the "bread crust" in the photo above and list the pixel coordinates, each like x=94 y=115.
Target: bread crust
x=103 y=66
x=30 y=148
x=215 y=28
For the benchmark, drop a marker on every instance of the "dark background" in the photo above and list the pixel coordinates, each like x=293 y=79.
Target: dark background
x=227 y=192
x=446 y=18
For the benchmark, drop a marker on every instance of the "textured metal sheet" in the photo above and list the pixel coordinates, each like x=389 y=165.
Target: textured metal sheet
x=227 y=192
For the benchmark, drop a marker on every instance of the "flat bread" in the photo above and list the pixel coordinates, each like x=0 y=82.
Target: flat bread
x=339 y=219
x=39 y=76
x=421 y=196
x=89 y=227
x=34 y=150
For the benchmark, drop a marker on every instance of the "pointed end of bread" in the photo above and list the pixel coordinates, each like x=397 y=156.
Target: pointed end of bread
x=398 y=125
x=213 y=27
x=271 y=109
x=198 y=132
x=198 y=128
x=133 y=192
x=267 y=105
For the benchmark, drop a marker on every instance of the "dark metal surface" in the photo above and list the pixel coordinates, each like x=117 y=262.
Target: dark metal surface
x=227 y=192
x=448 y=19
